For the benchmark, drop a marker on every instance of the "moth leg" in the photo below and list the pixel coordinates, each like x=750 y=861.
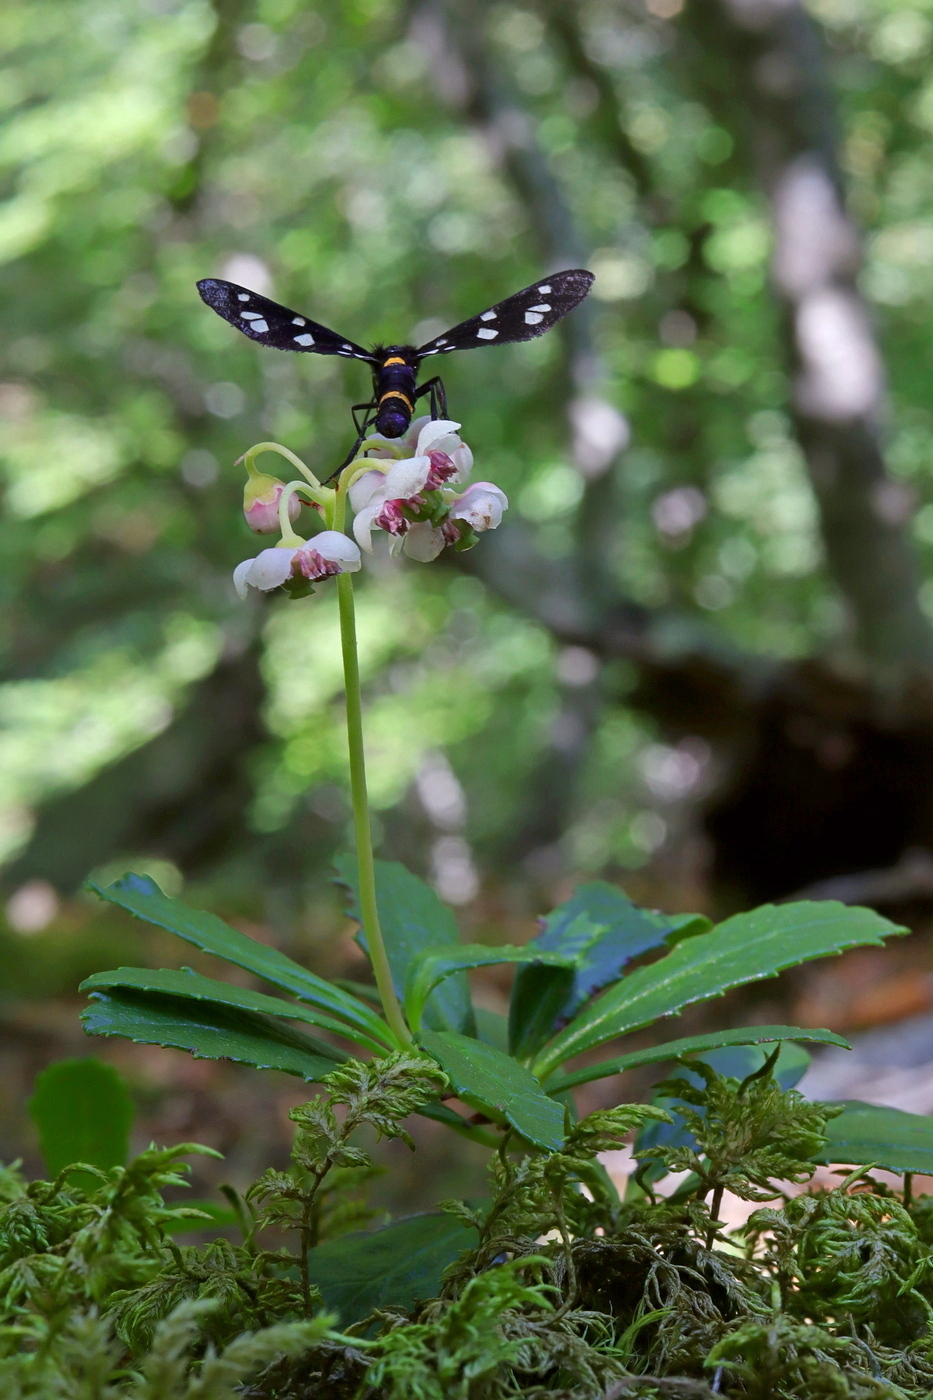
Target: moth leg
x=361 y=430
x=348 y=459
x=356 y=408
x=435 y=387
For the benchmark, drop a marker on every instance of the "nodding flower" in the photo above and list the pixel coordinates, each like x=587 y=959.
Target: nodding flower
x=413 y=501
x=481 y=506
x=295 y=567
x=261 y=496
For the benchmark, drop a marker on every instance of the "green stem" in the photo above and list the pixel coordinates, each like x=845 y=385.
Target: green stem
x=321 y=494
x=361 y=821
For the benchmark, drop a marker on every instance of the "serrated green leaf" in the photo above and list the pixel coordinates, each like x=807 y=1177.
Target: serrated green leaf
x=413 y=921
x=140 y=895
x=184 y=983
x=428 y=970
x=207 y=1032
x=601 y=929
x=498 y=1086
x=689 y=1045
x=746 y=948
x=84 y=1113
x=398 y=1266
x=889 y=1137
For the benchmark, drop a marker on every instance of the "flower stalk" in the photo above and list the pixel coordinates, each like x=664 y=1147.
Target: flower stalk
x=406 y=487
x=362 y=824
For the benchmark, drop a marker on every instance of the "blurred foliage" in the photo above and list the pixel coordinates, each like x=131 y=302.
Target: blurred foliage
x=327 y=154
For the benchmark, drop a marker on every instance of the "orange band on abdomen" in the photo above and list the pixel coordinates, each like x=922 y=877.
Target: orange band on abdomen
x=397 y=394
x=394 y=360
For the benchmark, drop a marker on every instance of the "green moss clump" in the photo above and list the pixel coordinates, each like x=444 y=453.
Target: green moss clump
x=568 y=1293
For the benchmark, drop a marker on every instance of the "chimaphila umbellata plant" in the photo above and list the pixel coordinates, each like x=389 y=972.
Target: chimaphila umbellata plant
x=582 y=982
x=599 y=968
x=411 y=498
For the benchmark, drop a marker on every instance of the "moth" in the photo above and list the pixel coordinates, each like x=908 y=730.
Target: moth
x=395 y=368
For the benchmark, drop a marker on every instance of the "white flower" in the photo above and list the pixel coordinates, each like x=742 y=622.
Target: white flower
x=364 y=489
x=424 y=542
x=424 y=435
x=412 y=500
x=326 y=554
x=481 y=506
x=406 y=478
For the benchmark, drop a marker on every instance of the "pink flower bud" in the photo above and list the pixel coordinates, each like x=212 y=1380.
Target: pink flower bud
x=261 y=496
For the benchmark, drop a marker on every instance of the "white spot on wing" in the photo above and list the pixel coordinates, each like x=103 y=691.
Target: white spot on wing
x=344 y=352
x=432 y=352
x=303 y=339
x=242 y=296
x=488 y=316
x=485 y=333
x=545 y=291
x=543 y=306
x=441 y=340
x=532 y=318
x=298 y=320
x=259 y=326
x=250 y=315
x=348 y=347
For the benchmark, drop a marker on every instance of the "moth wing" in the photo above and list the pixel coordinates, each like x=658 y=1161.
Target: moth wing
x=270 y=324
x=527 y=314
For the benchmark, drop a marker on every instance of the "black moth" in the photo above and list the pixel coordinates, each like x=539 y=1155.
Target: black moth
x=527 y=314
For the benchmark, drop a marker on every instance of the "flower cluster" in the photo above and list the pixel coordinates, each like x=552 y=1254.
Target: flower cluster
x=406 y=487
x=413 y=498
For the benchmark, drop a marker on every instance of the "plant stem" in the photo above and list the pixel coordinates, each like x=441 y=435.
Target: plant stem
x=361 y=820
x=714 y=1210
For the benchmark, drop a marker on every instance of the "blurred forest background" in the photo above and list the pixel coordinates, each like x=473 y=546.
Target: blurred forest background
x=696 y=658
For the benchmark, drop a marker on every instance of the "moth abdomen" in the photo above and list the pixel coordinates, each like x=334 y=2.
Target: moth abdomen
x=395 y=379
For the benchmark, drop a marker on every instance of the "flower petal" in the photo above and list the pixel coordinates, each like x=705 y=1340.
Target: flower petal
x=363 y=524
x=406 y=478
x=270 y=569
x=338 y=548
x=463 y=461
x=481 y=506
x=432 y=432
x=239 y=577
x=364 y=488
x=424 y=543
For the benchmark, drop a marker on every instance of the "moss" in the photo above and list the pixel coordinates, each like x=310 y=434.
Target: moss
x=568 y=1294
